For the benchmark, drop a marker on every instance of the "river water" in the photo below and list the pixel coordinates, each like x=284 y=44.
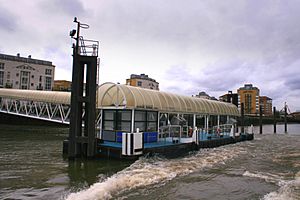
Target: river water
x=32 y=167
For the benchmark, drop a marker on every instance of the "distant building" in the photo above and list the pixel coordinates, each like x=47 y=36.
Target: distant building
x=266 y=105
x=203 y=95
x=142 y=81
x=230 y=98
x=249 y=95
x=25 y=73
x=62 y=85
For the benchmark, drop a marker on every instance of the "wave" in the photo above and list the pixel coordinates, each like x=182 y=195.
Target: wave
x=156 y=171
x=268 y=177
x=288 y=189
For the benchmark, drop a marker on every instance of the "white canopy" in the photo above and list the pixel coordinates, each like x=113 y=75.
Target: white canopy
x=124 y=96
x=36 y=95
x=114 y=96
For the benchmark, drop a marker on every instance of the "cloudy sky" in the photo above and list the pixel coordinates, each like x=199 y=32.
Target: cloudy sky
x=188 y=46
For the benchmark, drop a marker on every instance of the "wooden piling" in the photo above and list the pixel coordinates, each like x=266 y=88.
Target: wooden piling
x=285 y=118
x=242 y=117
x=260 y=120
x=274 y=118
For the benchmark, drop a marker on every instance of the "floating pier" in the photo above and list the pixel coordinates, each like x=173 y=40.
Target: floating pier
x=135 y=121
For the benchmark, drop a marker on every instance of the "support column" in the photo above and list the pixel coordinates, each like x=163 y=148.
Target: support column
x=242 y=117
x=285 y=118
x=218 y=123
x=207 y=123
x=158 y=120
x=260 y=120
x=274 y=118
x=132 y=121
x=101 y=123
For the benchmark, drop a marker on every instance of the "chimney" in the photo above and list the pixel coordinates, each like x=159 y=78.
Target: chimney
x=29 y=56
x=18 y=54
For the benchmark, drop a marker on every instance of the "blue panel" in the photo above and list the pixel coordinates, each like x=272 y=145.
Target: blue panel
x=119 y=137
x=150 y=137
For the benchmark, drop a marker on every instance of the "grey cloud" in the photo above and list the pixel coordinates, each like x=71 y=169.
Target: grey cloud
x=8 y=21
x=68 y=7
x=293 y=83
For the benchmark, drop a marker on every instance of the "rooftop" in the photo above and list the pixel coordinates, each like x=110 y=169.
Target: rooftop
x=25 y=60
x=248 y=87
x=142 y=76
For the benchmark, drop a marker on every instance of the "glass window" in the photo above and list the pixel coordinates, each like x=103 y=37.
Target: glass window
x=1 y=77
x=48 y=82
x=124 y=126
x=152 y=116
x=109 y=115
x=24 y=84
x=48 y=71
x=145 y=121
x=140 y=125
x=108 y=125
x=125 y=115
x=1 y=65
x=139 y=83
x=152 y=126
x=140 y=116
x=117 y=120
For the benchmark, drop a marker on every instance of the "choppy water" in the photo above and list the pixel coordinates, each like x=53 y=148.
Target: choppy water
x=31 y=167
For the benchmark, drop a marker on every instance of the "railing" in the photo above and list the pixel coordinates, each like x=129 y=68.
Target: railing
x=40 y=110
x=58 y=113
x=88 y=47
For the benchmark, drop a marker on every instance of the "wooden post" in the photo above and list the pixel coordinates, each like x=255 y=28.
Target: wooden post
x=285 y=118
x=274 y=118
x=260 y=119
x=242 y=117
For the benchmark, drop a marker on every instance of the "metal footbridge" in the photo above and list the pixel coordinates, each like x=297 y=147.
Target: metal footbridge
x=43 y=105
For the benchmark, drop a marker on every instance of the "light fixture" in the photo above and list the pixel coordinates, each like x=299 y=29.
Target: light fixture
x=72 y=33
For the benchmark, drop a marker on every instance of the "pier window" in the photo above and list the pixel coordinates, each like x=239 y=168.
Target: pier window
x=146 y=121
x=124 y=120
x=151 y=121
x=117 y=120
x=109 y=120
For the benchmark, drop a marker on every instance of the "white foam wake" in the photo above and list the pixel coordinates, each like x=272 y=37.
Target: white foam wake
x=288 y=189
x=152 y=171
x=268 y=177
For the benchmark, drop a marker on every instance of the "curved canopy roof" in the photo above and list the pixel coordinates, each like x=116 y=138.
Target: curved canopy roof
x=37 y=95
x=112 y=95
x=124 y=96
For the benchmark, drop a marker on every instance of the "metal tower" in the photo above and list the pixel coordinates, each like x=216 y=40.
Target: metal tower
x=82 y=138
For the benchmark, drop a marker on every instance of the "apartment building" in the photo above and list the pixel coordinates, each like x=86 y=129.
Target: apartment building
x=143 y=81
x=249 y=95
x=266 y=105
x=25 y=73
